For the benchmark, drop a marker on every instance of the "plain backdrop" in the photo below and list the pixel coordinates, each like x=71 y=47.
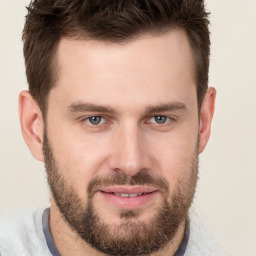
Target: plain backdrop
x=226 y=189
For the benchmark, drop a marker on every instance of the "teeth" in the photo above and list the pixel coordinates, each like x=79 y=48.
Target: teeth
x=127 y=195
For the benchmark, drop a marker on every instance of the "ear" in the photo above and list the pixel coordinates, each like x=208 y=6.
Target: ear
x=206 y=115
x=32 y=125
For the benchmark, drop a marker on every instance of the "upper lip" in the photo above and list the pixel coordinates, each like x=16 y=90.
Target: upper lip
x=128 y=189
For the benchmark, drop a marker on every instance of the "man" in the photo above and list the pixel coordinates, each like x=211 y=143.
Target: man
x=118 y=109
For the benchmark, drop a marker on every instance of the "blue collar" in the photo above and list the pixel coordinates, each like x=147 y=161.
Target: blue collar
x=183 y=246
x=47 y=233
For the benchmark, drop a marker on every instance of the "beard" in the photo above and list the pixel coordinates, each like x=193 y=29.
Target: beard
x=131 y=237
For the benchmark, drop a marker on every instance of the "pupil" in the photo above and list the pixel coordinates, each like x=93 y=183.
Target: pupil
x=95 y=120
x=160 y=119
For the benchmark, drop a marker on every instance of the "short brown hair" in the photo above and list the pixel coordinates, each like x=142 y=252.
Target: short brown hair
x=107 y=20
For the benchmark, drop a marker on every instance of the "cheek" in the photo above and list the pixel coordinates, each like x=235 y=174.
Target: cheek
x=174 y=156
x=80 y=157
x=174 y=165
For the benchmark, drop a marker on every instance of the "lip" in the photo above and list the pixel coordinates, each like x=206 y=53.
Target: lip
x=128 y=202
x=128 y=189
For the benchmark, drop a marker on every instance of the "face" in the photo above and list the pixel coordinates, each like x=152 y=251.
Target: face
x=121 y=140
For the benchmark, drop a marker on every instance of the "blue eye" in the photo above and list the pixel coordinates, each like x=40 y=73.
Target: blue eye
x=159 y=119
x=95 y=120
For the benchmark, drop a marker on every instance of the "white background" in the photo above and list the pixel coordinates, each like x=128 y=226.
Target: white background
x=226 y=194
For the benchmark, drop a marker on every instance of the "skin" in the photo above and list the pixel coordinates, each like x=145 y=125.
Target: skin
x=132 y=79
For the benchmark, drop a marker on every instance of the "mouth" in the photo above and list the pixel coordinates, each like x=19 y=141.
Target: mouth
x=128 y=197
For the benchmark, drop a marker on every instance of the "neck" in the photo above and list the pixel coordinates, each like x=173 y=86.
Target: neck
x=68 y=242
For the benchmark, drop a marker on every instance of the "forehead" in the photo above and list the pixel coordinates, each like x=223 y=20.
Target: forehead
x=150 y=64
x=131 y=54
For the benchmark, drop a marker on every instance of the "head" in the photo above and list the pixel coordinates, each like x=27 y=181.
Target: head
x=118 y=109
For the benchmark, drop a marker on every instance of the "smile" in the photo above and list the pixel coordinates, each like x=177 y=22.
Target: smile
x=128 y=197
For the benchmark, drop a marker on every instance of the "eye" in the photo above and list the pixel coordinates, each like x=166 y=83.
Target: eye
x=159 y=119
x=95 y=120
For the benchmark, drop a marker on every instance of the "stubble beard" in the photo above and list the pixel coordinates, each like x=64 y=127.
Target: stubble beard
x=131 y=237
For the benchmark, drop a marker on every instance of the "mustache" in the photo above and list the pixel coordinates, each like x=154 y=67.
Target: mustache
x=120 y=178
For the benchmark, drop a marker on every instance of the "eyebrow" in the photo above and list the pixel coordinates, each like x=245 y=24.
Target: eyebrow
x=166 y=107
x=86 y=107
x=89 y=107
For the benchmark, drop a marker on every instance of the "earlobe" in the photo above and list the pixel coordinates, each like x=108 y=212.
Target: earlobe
x=206 y=116
x=32 y=124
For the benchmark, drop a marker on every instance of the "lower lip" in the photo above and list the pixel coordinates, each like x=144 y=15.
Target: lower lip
x=128 y=202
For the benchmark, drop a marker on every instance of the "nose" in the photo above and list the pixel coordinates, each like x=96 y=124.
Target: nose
x=129 y=151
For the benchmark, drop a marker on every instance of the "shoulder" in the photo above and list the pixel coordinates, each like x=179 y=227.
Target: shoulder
x=201 y=242
x=21 y=233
